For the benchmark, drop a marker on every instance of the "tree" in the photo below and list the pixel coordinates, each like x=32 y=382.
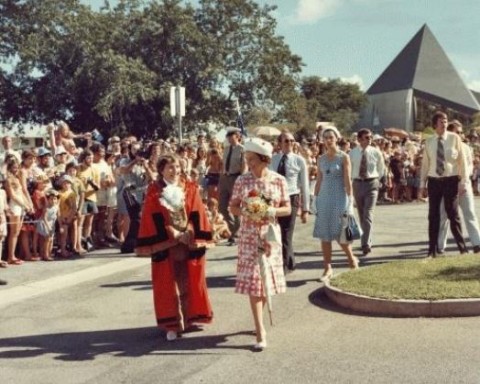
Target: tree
x=112 y=69
x=328 y=100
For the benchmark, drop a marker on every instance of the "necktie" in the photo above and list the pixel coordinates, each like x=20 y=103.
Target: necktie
x=229 y=158
x=281 y=166
x=440 y=157
x=363 y=166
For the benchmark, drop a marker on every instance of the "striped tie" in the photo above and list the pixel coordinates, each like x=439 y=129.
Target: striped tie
x=440 y=157
x=362 y=173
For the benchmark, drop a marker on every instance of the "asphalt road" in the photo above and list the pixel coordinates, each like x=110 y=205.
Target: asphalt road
x=91 y=321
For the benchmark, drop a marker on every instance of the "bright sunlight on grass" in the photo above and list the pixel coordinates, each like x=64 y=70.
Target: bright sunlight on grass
x=452 y=277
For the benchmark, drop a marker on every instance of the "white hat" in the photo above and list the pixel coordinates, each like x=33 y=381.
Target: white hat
x=233 y=130
x=60 y=150
x=333 y=129
x=377 y=137
x=259 y=146
x=42 y=151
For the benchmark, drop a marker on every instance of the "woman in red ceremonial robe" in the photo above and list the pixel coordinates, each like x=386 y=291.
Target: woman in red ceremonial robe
x=175 y=232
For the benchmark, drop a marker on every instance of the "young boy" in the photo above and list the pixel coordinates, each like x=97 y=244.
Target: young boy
x=46 y=225
x=67 y=214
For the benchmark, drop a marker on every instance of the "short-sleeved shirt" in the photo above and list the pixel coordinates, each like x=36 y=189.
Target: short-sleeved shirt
x=236 y=160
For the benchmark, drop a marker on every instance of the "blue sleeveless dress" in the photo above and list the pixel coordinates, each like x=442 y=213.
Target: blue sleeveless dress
x=331 y=202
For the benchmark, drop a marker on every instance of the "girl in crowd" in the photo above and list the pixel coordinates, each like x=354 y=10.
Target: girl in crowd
x=334 y=198
x=252 y=234
x=46 y=225
x=177 y=244
x=28 y=176
x=19 y=205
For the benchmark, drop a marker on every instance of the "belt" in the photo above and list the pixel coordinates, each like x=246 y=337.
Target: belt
x=232 y=174
x=366 y=180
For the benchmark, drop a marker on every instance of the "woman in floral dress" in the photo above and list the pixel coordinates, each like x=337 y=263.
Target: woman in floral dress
x=252 y=234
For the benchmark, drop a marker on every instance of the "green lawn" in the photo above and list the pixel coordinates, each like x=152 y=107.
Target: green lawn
x=453 y=277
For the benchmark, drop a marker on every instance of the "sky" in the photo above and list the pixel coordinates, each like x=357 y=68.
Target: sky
x=356 y=40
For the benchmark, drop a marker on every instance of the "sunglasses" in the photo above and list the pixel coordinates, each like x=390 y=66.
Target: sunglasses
x=289 y=141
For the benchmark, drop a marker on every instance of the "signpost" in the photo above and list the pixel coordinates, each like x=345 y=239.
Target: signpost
x=177 y=106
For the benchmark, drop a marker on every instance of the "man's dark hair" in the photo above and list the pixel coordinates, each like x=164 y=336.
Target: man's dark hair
x=362 y=132
x=437 y=116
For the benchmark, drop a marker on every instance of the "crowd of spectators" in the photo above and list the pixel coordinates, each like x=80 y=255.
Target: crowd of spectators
x=72 y=196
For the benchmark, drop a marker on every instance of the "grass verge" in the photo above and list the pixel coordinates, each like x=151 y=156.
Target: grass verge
x=453 y=277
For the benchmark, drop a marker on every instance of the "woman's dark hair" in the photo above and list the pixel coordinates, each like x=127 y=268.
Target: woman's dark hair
x=28 y=153
x=264 y=159
x=164 y=161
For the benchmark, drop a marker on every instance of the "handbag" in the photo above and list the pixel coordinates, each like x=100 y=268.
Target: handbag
x=350 y=229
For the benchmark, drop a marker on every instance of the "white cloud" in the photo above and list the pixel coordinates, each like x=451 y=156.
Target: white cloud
x=354 y=79
x=309 y=11
x=471 y=82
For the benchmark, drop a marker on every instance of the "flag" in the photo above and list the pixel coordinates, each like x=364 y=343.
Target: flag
x=240 y=121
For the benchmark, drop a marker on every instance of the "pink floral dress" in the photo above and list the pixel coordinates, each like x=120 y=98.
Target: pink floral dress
x=248 y=280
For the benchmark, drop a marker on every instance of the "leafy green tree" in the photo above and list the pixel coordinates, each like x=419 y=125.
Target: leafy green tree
x=112 y=69
x=329 y=100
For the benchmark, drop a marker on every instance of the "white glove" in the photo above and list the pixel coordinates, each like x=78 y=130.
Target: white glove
x=271 y=213
x=350 y=205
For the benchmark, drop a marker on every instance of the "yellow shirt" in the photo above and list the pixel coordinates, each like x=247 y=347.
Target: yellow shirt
x=85 y=174
x=67 y=202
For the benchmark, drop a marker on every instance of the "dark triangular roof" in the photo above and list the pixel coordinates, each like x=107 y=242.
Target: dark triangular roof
x=424 y=67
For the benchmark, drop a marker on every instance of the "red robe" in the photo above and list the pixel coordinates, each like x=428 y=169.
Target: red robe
x=155 y=238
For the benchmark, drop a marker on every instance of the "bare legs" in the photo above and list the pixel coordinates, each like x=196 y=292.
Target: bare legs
x=15 y=226
x=327 y=258
x=257 y=304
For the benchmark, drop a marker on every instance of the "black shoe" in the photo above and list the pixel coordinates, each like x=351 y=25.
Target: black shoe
x=432 y=254
x=476 y=249
x=231 y=241
x=3 y=282
x=366 y=250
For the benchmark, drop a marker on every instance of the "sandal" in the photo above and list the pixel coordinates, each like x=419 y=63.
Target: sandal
x=47 y=258
x=33 y=258
x=3 y=264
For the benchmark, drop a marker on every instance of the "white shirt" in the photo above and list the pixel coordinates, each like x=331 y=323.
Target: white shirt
x=296 y=174
x=455 y=163
x=375 y=162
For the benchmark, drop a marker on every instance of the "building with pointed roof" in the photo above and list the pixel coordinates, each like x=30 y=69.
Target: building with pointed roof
x=421 y=71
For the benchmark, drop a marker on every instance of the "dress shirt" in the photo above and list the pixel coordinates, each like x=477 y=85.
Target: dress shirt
x=236 y=160
x=455 y=164
x=375 y=162
x=296 y=175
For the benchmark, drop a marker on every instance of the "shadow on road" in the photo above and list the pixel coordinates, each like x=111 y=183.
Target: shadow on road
x=137 y=342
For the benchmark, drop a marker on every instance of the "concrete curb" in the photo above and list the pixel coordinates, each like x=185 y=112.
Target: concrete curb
x=403 y=308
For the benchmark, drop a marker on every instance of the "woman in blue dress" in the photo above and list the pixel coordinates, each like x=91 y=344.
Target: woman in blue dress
x=333 y=191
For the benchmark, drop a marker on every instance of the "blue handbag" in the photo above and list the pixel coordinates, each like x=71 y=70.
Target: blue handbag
x=352 y=230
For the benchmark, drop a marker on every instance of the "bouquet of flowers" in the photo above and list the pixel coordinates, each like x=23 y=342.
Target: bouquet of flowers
x=256 y=205
x=173 y=198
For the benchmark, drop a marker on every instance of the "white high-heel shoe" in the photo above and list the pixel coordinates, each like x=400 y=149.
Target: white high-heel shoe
x=327 y=275
x=260 y=346
x=171 y=335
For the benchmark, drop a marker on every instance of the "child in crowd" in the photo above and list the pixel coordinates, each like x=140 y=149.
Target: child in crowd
x=3 y=221
x=219 y=225
x=67 y=214
x=79 y=190
x=39 y=204
x=46 y=225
